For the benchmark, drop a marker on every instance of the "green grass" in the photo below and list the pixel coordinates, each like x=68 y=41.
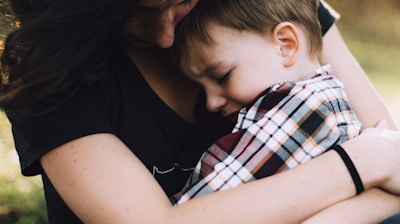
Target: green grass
x=23 y=194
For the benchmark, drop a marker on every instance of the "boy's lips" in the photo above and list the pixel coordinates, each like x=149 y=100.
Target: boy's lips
x=231 y=116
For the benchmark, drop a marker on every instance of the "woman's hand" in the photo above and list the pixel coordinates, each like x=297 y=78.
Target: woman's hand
x=377 y=150
x=374 y=205
x=391 y=148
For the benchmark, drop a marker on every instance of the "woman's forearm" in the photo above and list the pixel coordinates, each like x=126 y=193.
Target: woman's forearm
x=373 y=206
x=306 y=189
x=112 y=186
x=102 y=185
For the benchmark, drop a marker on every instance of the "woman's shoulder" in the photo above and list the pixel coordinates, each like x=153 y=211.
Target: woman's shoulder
x=327 y=16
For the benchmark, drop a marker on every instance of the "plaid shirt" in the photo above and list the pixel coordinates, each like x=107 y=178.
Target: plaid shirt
x=289 y=124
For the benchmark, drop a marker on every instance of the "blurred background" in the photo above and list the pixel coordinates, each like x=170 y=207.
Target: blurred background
x=370 y=28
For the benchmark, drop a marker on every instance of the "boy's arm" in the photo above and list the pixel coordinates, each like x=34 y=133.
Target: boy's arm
x=284 y=128
x=372 y=206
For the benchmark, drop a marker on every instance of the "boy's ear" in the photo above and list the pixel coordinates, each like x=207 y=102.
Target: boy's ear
x=287 y=36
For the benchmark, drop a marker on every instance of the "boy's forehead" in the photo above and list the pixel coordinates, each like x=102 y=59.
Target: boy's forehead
x=201 y=60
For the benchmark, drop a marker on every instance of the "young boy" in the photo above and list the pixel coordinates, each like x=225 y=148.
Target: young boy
x=258 y=64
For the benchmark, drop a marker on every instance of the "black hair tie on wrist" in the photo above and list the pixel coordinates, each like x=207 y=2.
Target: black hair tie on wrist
x=350 y=166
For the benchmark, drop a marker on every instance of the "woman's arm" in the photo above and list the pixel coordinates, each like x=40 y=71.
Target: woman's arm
x=347 y=69
x=363 y=208
x=372 y=206
x=103 y=182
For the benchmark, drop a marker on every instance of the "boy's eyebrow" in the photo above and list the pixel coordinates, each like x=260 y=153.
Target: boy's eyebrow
x=210 y=69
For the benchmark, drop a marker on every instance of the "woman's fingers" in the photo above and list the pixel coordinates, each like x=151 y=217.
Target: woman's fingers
x=382 y=124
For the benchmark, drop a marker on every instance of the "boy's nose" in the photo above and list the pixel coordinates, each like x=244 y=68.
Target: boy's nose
x=215 y=103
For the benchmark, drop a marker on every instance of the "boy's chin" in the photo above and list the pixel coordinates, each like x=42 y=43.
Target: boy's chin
x=232 y=117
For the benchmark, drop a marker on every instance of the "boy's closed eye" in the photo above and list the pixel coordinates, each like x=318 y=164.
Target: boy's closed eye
x=222 y=79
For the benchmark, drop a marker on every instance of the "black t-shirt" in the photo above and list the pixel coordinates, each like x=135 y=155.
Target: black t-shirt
x=122 y=104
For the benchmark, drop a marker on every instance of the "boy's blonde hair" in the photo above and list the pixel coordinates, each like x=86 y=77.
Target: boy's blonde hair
x=260 y=16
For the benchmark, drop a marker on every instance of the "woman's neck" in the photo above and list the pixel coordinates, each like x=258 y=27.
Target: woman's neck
x=178 y=92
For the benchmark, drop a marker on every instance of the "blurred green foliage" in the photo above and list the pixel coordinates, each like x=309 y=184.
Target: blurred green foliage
x=6 y=19
x=372 y=31
x=21 y=198
x=370 y=28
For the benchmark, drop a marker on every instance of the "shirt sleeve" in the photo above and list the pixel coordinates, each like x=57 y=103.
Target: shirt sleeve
x=303 y=124
x=68 y=118
x=327 y=16
x=298 y=128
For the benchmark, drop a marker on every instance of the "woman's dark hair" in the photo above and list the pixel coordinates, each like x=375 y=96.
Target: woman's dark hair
x=57 y=45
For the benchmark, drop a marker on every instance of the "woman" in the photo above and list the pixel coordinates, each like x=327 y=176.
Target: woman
x=93 y=118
